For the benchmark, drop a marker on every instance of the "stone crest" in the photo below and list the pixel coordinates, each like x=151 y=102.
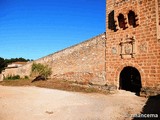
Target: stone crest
x=127 y=46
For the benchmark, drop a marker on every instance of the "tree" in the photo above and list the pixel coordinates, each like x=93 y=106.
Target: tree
x=39 y=69
x=16 y=60
x=3 y=64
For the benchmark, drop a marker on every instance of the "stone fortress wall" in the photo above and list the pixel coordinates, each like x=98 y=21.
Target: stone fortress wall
x=84 y=62
x=129 y=51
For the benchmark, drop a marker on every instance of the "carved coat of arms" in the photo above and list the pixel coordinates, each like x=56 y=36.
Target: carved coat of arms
x=128 y=47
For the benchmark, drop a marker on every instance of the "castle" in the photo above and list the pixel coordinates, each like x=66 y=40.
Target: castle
x=126 y=56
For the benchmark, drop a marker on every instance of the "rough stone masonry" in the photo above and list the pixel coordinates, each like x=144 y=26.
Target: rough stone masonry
x=126 y=56
x=84 y=62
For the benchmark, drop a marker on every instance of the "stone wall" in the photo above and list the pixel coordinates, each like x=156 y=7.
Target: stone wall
x=144 y=46
x=159 y=10
x=84 y=62
x=131 y=30
x=159 y=19
x=22 y=71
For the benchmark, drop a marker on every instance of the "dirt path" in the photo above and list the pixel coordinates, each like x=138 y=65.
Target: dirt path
x=32 y=103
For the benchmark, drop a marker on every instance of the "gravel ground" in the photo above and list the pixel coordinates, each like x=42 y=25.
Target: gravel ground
x=33 y=103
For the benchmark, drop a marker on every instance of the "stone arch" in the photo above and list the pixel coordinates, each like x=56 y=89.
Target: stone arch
x=136 y=12
x=130 y=80
x=120 y=68
x=131 y=9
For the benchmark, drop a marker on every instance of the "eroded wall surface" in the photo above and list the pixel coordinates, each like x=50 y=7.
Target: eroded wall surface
x=84 y=62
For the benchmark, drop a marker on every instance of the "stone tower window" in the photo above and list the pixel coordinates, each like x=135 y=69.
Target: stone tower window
x=111 y=21
x=132 y=19
x=121 y=21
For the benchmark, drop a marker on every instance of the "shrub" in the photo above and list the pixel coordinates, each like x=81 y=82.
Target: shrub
x=15 y=77
x=12 y=77
x=26 y=77
x=39 y=69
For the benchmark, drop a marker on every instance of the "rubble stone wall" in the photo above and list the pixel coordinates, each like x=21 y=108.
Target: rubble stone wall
x=84 y=62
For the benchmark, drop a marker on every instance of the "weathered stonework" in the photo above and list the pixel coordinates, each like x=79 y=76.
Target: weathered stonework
x=84 y=62
x=147 y=48
x=131 y=42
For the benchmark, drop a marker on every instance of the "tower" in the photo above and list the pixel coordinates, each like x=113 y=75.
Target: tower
x=133 y=44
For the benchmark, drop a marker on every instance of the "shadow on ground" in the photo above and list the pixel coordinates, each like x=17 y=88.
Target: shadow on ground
x=151 y=109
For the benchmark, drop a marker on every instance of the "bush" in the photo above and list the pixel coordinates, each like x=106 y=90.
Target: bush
x=39 y=69
x=10 y=77
x=26 y=77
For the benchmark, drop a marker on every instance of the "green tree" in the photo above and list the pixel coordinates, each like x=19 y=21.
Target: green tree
x=39 y=69
x=16 y=60
x=3 y=64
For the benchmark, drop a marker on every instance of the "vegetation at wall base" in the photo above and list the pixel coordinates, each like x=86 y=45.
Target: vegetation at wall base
x=39 y=69
x=12 y=77
x=26 y=77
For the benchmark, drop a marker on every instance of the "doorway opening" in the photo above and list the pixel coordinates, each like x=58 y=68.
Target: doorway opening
x=130 y=80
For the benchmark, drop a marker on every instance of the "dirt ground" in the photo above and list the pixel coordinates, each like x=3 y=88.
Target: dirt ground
x=33 y=103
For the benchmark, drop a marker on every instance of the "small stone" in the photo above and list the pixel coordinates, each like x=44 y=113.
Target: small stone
x=49 y=112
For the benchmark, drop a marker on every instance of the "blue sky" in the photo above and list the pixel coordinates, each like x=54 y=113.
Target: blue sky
x=35 y=28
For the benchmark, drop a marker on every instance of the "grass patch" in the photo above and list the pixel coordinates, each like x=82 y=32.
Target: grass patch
x=10 y=77
x=20 y=82
x=53 y=84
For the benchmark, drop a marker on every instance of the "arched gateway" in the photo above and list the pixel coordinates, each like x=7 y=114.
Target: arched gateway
x=130 y=80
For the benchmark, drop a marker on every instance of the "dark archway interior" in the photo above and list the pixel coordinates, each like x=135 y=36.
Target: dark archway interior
x=130 y=80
